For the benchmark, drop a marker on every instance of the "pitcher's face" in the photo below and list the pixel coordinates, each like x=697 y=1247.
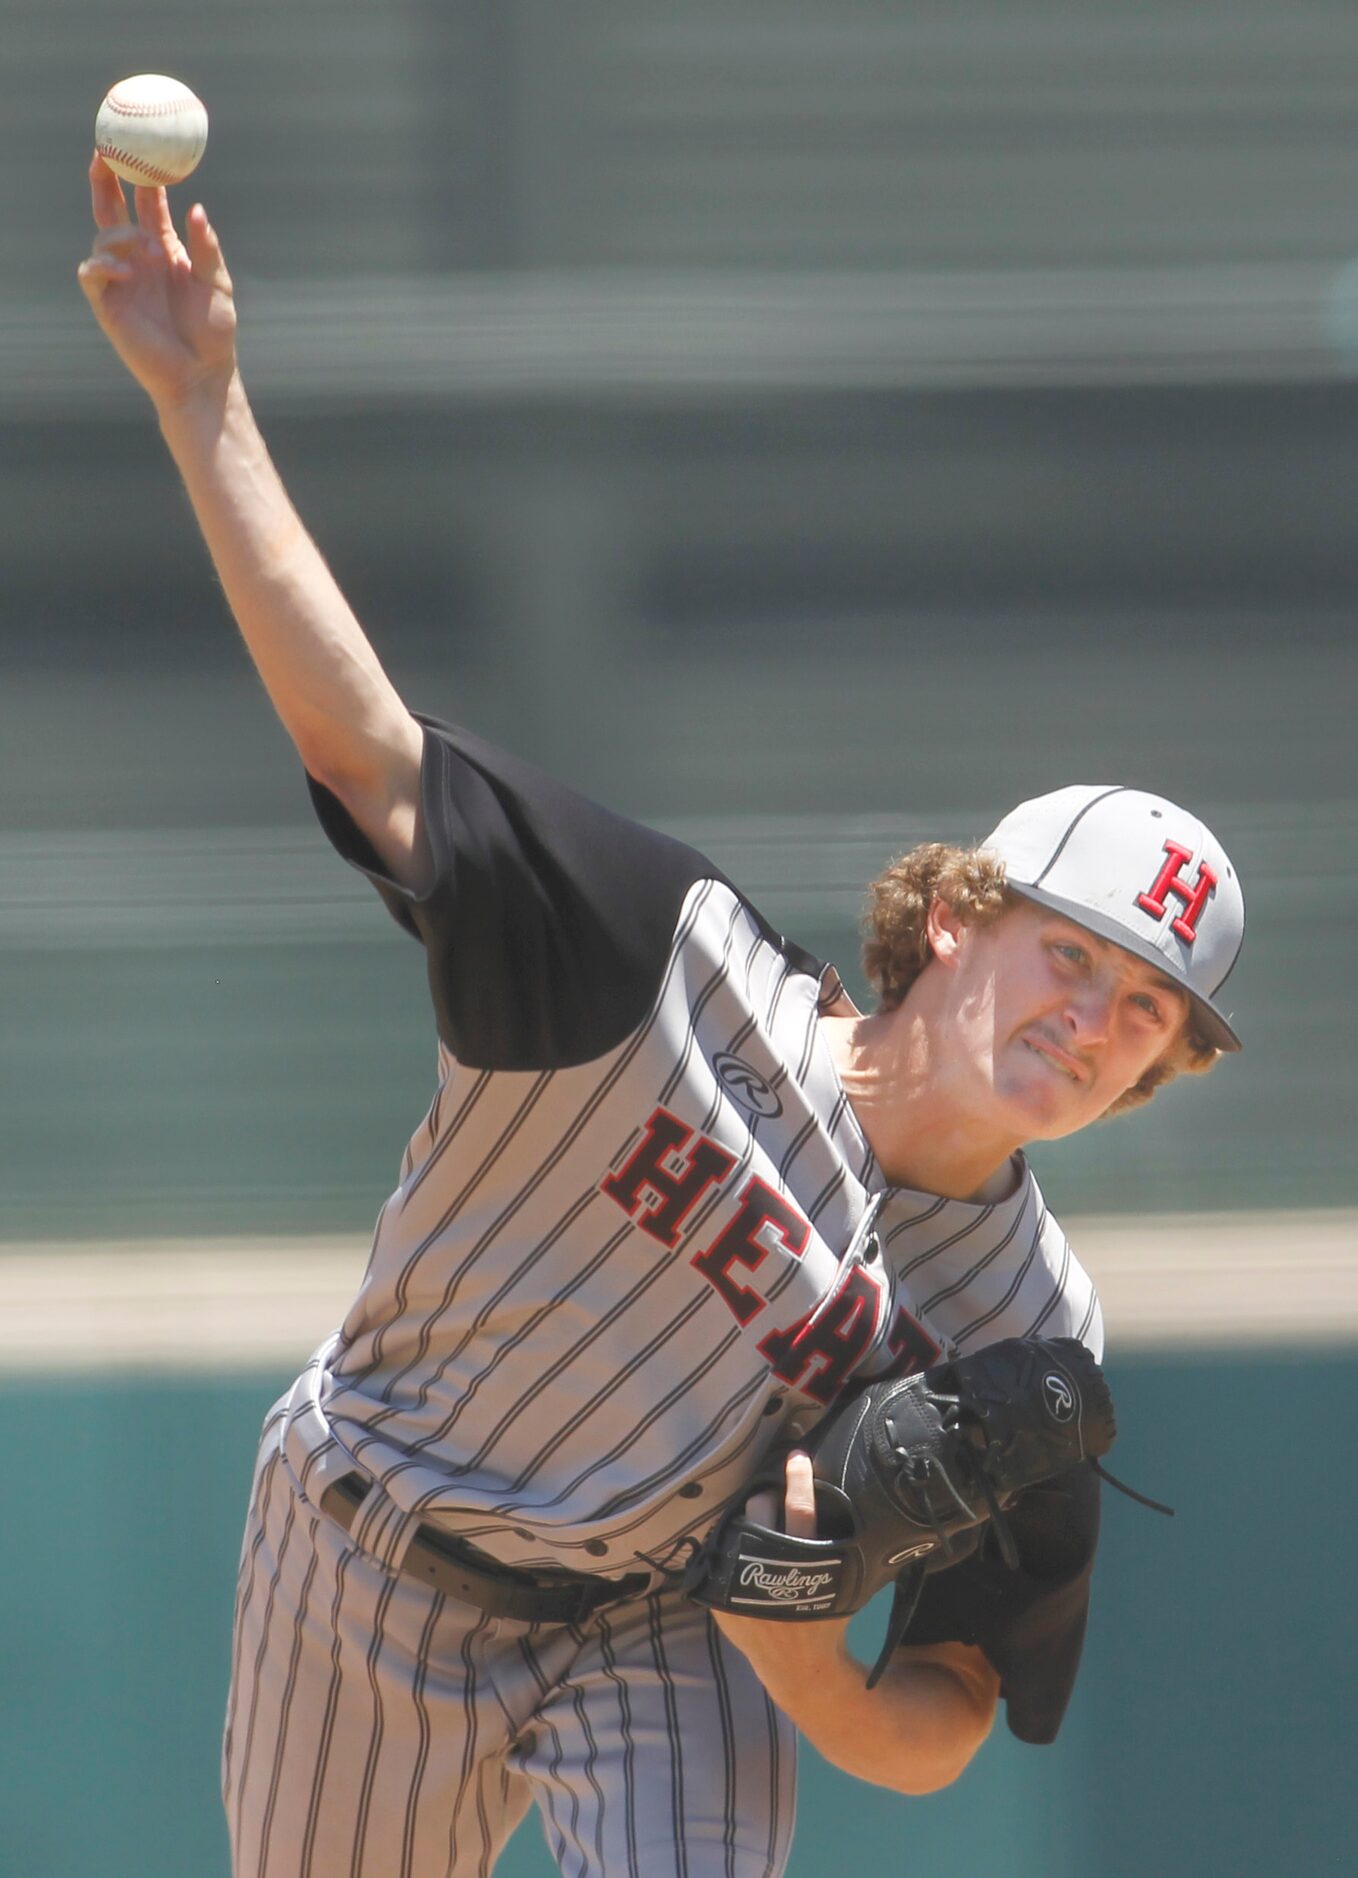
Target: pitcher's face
x=1058 y=1022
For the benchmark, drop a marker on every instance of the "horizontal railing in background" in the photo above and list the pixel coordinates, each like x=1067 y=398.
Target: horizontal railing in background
x=1186 y=1281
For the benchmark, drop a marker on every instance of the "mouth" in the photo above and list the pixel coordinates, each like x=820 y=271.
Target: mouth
x=1055 y=1057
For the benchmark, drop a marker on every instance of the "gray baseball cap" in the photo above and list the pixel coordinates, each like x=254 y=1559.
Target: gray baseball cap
x=1139 y=871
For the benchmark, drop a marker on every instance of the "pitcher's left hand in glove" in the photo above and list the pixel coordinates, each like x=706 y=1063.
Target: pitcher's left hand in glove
x=906 y=1475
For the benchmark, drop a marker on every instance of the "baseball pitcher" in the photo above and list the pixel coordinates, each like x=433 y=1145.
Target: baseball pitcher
x=703 y=1304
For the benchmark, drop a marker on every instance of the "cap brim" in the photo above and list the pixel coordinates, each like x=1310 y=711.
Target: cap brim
x=1211 y=1022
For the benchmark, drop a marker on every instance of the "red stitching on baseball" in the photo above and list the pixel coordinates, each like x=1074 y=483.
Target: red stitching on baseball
x=142 y=167
x=165 y=108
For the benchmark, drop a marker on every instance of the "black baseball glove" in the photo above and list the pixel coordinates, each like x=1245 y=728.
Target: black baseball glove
x=907 y=1476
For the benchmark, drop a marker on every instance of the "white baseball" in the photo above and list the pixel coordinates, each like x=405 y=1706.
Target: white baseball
x=151 y=130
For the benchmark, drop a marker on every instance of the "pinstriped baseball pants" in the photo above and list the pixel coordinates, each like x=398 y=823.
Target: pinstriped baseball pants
x=378 y=1729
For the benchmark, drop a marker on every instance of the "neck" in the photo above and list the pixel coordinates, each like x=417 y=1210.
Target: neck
x=921 y=1129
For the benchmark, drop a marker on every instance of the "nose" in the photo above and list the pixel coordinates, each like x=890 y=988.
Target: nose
x=1089 y=1013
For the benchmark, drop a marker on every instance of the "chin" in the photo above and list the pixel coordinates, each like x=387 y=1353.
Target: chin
x=1045 y=1107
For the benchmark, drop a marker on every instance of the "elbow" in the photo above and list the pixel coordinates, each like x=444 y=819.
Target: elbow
x=912 y=1768
x=941 y=1770
x=367 y=768
x=961 y=1728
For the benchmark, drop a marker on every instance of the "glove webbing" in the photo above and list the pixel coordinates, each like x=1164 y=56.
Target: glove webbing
x=910 y=1585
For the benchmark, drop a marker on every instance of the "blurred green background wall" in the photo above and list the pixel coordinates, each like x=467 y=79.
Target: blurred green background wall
x=812 y=426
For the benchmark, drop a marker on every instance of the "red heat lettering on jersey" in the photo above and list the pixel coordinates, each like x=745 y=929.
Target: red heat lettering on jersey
x=739 y=1243
x=910 y=1345
x=818 y=1354
x=1167 y=881
x=658 y=1171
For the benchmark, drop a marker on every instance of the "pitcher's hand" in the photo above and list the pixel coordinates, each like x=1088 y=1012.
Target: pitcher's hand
x=778 y=1651
x=165 y=304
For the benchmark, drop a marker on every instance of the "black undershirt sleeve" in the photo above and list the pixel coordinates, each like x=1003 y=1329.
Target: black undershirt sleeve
x=549 y=919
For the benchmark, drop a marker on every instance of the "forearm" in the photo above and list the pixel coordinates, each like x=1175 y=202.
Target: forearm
x=914 y=1732
x=323 y=677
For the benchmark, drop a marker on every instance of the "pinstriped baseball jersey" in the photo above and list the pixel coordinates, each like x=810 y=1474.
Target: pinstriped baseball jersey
x=639 y=1231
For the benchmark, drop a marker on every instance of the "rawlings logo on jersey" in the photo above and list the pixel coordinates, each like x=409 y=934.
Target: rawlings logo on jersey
x=746 y=1086
x=660 y=1186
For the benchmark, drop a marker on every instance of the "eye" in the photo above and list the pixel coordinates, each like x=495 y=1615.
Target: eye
x=1146 y=1001
x=1068 y=949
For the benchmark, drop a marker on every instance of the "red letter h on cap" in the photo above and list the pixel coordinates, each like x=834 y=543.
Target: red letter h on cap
x=1168 y=881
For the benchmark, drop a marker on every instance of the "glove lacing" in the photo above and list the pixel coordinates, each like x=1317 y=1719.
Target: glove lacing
x=910 y=1583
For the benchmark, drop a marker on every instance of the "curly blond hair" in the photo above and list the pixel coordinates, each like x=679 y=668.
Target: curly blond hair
x=896 y=945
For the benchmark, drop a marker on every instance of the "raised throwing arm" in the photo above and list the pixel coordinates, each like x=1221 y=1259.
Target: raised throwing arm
x=167 y=307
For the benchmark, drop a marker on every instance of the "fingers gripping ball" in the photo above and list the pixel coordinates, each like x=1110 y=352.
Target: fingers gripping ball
x=151 y=130
x=906 y=1475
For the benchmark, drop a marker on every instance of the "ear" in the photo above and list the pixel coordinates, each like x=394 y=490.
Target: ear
x=947 y=931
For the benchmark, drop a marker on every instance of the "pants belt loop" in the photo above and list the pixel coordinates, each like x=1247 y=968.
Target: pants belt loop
x=460 y=1571
x=371 y=1517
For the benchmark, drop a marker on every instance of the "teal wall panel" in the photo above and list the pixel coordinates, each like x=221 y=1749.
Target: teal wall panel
x=120 y=1556
x=1211 y=1732
x=1219 y=1686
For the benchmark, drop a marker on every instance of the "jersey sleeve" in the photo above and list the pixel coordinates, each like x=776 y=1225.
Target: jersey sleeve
x=1030 y=1623
x=549 y=919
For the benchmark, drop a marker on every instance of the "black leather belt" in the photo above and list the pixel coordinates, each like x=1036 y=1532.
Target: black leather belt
x=473 y=1577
